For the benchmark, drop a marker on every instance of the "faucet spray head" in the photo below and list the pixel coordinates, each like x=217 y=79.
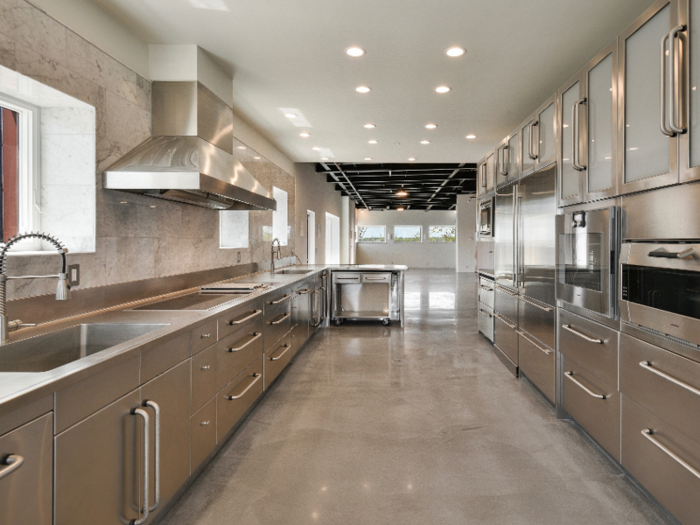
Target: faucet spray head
x=63 y=288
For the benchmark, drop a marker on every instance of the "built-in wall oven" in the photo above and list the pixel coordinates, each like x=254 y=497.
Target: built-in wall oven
x=660 y=288
x=486 y=218
x=587 y=260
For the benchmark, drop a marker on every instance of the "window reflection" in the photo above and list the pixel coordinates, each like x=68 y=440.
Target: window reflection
x=411 y=301
x=441 y=300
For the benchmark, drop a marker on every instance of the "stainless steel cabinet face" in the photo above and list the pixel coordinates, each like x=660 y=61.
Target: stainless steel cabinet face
x=301 y=311
x=570 y=180
x=647 y=145
x=507 y=160
x=688 y=92
x=504 y=236
x=538 y=138
x=536 y=361
x=486 y=173
x=26 y=474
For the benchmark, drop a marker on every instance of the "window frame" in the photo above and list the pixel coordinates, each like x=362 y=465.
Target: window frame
x=420 y=230
x=371 y=226
x=442 y=226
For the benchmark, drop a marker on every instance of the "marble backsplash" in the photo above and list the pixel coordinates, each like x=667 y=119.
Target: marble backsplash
x=137 y=237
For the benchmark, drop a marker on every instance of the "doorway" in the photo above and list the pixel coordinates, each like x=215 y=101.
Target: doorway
x=310 y=237
x=332 y=239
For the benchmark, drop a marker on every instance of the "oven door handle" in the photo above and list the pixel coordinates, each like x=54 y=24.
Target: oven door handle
x=672 y=255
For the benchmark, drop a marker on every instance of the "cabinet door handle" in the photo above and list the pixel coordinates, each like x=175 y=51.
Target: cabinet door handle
x=286 y=347
x=10 y=464
x=648 y=433
x=347 y=278
x=375 y=279
x=676 y=76
x=672 y=255
x=533 y=343
x=280 y=319
x=146 y=460
x=571 y=329
x=484 y=312
x=205 y=423
x=485 y=288
x=662 y=90
x=530 y=147
x=588 y=391
x=156 y=481
x=205 y=367
x=503 y=319
x=242 y=320
x=205 y=336
x=256 y=377
x=575 y=137
x=303 y=292
x=646 y=365
x=256 y=335
x=546 y=309
x=281 y=299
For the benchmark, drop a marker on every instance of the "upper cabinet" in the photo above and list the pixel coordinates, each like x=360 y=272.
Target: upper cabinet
x=538 y=138
x=508 y=160
x=486 y=173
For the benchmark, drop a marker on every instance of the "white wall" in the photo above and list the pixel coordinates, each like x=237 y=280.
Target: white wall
x=466 y=233
x=415 y=255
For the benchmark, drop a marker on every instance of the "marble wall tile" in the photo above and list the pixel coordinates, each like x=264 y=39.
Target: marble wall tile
x=126 y=122
x=68 y=159
x=33 y=28
x=68 y=121
x=7 y=52
x=130 y=258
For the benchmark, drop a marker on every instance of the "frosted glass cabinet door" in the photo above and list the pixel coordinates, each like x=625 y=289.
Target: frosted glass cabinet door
x=570 y=182
x=690 y=106
x=513 y=156
x=600 y=101
x=545 y=135
x=647 y=157
x=481 y=178
x=527 y=163
x=502 y=163
x=490 y=171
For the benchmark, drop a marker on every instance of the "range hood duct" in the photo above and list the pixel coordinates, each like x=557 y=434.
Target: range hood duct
x=189 y=159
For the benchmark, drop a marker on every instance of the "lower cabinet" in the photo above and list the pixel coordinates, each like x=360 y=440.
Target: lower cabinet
x=278 y=357
x=203 y=433
x=536 y=362
x=26 y=468
x=505 y=340
x=237 y=397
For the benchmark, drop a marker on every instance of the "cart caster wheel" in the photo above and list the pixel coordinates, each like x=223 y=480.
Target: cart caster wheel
x=338 y=322
x=386 y=322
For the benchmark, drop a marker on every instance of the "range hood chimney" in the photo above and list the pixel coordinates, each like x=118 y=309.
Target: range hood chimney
x=189 y=159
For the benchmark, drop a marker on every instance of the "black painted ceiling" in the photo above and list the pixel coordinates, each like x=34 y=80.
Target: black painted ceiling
x=374 y=186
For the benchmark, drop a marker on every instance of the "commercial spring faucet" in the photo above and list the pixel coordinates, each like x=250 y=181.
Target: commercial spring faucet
x=62 y=290
x=272 y=252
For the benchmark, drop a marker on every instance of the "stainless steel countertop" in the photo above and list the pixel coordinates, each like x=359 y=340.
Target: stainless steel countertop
x=20 y=389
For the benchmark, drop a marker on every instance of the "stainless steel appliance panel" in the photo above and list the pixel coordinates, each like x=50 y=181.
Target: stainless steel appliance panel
x=487 y=292
x=506 y=341
x=505 y=236
x=485 y=256
x=591 y=344
x=536 y=230
x=237 y=397
x=486 y=320
x=506 y=304
x=593 y=403
x=665 y=461
x=485 y=218
x=237 y=351
x=538 y=320
x=536 y=361
x=203 y=433
x=26 y=483
x=660 y=381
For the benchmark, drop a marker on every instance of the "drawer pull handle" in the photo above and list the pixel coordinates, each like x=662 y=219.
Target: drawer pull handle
x=503 y=319
x=281 y=299
x=648 y=366
x=205 y=336
x=375 y=278
x=512 y=294
x=485 y=288
x=205 y=423
x=347 y=278
x=304 y=291
x=281 y=319
x=546 y=309
x=256 y=377
x=648 y=433
x=256 y=335
x=246 y=318
x=571 y=329
x=10 y=464
x=545 y=350
x=672 y=255
x=485 y=313
x=205 y=367
x=588 y=391
x=286 y=349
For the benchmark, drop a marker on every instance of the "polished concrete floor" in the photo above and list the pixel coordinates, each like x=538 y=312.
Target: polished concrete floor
x=375 y=425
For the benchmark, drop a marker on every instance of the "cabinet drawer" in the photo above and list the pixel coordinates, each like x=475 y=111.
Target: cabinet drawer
x=536 y=361
x=594 y=404
x=506 y=304
x=486 y=321
x=589 y=343
x=275 y=300
x=203 y=337
x=204 y=366
x=487 y=292
x=538 y=320
x=26 y=489
x=278 y=324
x=237 y=397
x=376 y=277
x=164 y=357
x=236 y=352
x=203 y=433
x=664 y=476
x=505 y=338
x=346 y=277
x=233 y=321
x=278 y=357
x=650 y=376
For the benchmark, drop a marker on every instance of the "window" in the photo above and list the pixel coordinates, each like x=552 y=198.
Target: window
x=279 y=217
x=442 y=233
x=371 y=234
x=233 y=229
x=408 y=234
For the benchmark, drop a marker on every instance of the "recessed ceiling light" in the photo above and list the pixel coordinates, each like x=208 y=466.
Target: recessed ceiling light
x=324 y=158
x=363 y=89
x=425 y=142
x=242 y=147
x=290 y=115
x=315 y=148
x=305 y=134
x=370 y=126
x=373 y=142
x=443 y=89
x=399 y=209
x=411 y=159
x=431 y=126
x=256 y=158
x=470 y=137
x=355 y=51
x=455 y=51
x=402 y=193
x=368 y=158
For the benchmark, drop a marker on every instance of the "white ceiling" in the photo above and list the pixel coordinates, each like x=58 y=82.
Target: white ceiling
x=290 y=54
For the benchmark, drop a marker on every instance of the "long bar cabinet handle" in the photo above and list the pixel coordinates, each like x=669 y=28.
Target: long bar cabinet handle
x=485 y=288
x=588 y=391
x=286 y=347
x=254 y=313
x=676 y=76
x=10 y=464
x=571 y=329
x=531 y=152
x=281 y=299
x=663 y=93
x=156 y=409
x=533 y=343
x=304 y=291
x=281 y=319
x=485 y=313
x=498 y=316
x=648 y=433
x=146 y=460
x=512 y=294
x=646 y=365
x=256 y=377
x=575 y=136
x=347 y=278
x=256 y=335
x=546 y=309
x=375 y=278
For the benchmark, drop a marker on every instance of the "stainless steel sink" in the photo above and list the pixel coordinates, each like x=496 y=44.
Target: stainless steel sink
x=49 y=351
x=293 y=271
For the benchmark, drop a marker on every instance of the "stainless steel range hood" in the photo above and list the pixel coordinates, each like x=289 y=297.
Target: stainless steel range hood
x=189 y=159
